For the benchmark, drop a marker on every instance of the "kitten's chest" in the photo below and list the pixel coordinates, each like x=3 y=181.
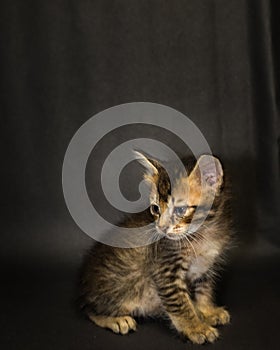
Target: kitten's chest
x=201 y=263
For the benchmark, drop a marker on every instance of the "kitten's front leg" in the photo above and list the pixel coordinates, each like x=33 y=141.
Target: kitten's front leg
x=180 y=309
x=207 y=310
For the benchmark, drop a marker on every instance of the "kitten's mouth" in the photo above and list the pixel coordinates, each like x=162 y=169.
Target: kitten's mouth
x=176 y=234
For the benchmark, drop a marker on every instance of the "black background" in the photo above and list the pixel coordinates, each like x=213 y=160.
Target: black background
x=64 y=61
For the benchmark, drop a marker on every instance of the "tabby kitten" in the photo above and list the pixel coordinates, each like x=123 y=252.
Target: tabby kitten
x=173 y=276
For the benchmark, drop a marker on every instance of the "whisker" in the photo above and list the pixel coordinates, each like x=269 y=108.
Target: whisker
x=191 y=246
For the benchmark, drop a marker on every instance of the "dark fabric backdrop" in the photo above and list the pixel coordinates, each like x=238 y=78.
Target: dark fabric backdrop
x=63 y=61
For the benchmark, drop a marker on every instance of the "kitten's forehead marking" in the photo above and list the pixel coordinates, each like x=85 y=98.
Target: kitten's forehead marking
x=180 y=192
x=170 y=205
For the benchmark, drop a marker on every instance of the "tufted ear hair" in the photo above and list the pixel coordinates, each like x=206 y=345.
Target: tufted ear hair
x=208 y=170
x=152 y=166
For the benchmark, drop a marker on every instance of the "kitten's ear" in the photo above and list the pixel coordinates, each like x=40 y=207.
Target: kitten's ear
x=208 y=169
x=151 y=165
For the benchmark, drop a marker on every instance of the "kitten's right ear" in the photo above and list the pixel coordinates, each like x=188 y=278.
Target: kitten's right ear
x=151 y=165
x=208 y=168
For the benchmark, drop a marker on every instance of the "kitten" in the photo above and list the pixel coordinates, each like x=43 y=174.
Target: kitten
x=173 y=276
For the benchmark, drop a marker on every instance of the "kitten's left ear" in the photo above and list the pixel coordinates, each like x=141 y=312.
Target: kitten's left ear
x=208 y=170
x=151 y=165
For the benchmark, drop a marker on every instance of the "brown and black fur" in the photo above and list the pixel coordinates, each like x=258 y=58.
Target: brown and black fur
x=170 y=277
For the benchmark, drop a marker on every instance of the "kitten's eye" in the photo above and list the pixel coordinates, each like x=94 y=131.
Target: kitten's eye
x=180 y=211
x=155 y=210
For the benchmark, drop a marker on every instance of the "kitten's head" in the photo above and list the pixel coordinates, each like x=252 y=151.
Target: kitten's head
x=194 y=193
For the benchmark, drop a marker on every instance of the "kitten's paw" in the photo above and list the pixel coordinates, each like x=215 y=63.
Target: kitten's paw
x=202 y=333
x=215 y=316
x=121 y=324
